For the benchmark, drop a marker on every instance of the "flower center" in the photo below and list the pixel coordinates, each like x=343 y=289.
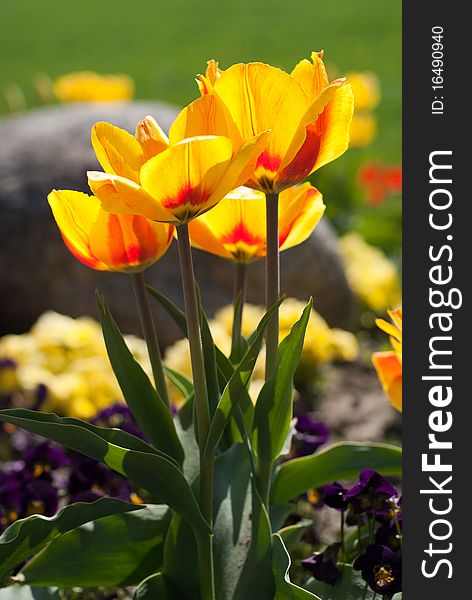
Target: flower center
x=383 y=576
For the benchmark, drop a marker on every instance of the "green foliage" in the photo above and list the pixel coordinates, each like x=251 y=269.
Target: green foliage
x=152 y=470
x=274 y=406
x=284 y=588
x=26 y=536
x=121 y=550
x=340 y=461
x=237 y=383
x=148 y=408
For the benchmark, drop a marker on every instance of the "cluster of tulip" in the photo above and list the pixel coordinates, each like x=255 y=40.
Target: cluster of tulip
x=228 y=180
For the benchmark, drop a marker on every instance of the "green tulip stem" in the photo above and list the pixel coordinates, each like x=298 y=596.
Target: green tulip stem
x=272 y=281
x=240 y=285
x=149 y=332
x=202 y=410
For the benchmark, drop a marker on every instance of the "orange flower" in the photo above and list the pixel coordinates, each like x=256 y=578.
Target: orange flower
x=389 y=364
x=172 y=184
x=236 y=227
x=105 y=241
x=308 y=117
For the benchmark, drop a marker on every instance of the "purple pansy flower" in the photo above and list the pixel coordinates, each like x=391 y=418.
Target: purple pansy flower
x=381 y=568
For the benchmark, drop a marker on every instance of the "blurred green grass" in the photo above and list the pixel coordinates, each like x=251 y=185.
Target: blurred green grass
x=162 y=44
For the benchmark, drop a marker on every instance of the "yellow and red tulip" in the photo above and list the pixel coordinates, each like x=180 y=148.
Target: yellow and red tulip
x=389 y=364
x=236 y=227
x=169 y=183
x=105 y=241
x=308 y=117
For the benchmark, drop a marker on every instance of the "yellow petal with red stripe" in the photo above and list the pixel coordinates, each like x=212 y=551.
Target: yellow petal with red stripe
x=322 y=135
x=183 y=178
x=150 y=137
x=117 y=151
x=123 y=196
x=261 y=98
x=128 y=242
x=234 y=228
x=75 y=214
x=389 y=371
x=300 y=209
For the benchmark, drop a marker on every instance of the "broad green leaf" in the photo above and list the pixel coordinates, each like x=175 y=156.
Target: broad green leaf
x=172 y=310
x=239 y=381
x=26 y=536
x=149 y=410
x=284 y=588
x=152 y=471
x=278 y=514
x=351 y=587
x=186 y=432
x=256 y=579
x=181 y=558
x=156 y=587
x=232 y=518
x=292 y=534
x=121 y=550
x=273 y=413
x=339 y=461
x=24 y=592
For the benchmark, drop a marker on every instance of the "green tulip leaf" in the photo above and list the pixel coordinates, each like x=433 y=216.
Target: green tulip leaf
x=273 y=413
x=149 y=410
x=26 y=536
x=121 y=550
x=284 y=588
x=238 y=383
x=153 y=471
x=343 y=460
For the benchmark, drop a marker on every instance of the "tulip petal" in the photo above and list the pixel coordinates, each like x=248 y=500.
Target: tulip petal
x=261 y=98
x=234 y=228
x=207 y=115
x=240 y=169
x=206 y=82
x=150 y=137
x=312 y=76
x=301 y=208
x=75 y=214
x=335 y=122
x=389 y=371
x=117 y=151
x=183 y=178
x=122 y=196
x=128 y=242
x=322 y=135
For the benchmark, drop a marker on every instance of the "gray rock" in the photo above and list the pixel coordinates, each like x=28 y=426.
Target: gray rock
x=50 y=148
